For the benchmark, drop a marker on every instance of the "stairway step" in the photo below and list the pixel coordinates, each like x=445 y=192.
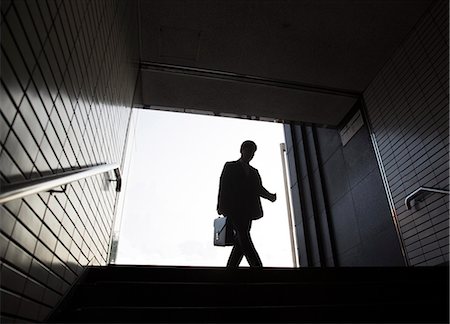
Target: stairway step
x=220 y=274
x=208 y=294
x=266 y=314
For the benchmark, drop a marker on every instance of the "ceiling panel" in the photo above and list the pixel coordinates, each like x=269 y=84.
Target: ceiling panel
x=339 y=44
x=223 y=97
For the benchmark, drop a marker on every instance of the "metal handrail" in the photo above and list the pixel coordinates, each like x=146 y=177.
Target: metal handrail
x=46 y=183
x=418 y=191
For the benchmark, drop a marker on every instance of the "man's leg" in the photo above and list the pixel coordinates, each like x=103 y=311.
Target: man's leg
x=235 y=257
x=244 y=245
x=236 y=253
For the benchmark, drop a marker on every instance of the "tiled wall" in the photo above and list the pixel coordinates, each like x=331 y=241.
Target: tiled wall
x=408 y=106
x=67 y=82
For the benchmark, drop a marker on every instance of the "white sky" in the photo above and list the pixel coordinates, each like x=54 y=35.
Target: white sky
x=172 y=185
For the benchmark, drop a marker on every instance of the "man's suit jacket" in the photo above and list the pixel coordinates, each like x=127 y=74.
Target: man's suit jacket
x=239 y=193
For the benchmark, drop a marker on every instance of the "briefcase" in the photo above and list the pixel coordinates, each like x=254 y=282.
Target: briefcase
x=223 y=234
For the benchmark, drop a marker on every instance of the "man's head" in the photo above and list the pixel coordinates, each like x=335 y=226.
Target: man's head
x=248 y=149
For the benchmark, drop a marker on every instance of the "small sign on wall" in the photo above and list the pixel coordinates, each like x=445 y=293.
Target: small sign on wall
x=349 y=130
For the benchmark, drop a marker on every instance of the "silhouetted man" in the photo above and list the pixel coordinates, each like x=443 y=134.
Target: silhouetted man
x=239 y=200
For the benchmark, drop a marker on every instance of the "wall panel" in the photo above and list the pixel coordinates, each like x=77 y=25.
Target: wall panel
x=341 y=210
x=407 y=104
x=68 y=72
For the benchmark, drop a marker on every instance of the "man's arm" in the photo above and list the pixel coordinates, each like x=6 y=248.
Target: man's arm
x=263 y=192
x=267 y=195
x=222 y=198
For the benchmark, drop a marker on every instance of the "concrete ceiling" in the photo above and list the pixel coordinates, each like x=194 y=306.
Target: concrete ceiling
x=283 y=60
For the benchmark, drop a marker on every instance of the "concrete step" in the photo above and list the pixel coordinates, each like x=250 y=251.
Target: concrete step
x=261 y=314
x=205 y=294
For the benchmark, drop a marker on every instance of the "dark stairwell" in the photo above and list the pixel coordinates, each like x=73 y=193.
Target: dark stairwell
x=312 y=295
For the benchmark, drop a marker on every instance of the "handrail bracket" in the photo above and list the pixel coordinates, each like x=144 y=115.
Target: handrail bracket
x=63 y=190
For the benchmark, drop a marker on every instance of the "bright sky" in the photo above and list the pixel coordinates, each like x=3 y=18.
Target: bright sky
x=172 y=184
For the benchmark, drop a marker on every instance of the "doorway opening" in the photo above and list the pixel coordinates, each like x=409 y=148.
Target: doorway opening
x=172 y=178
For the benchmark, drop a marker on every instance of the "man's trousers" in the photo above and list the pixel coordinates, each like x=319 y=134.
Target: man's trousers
x=243 y=244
